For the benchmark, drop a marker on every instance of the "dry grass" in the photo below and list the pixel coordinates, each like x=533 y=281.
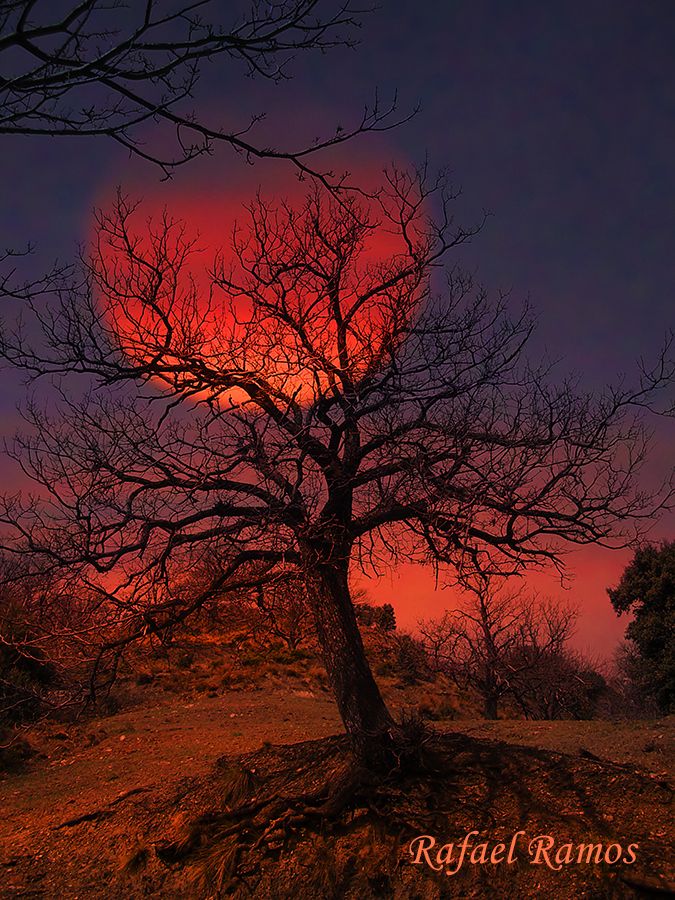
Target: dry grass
x=168 y=840
x=215 y=663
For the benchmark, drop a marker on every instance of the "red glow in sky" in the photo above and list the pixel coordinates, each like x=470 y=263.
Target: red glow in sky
x=189 y=309
x=413 y=592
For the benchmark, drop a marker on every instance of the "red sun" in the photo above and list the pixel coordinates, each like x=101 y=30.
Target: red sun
x=211 y=289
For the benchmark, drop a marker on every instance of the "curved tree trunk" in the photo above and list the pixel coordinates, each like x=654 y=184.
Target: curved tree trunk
x=364 y=712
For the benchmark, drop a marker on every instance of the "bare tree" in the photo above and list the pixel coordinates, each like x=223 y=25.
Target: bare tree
x=313 y=405
x=92 y=68
x=50 y=631
x=499 y=642
x=559 y=683
x=284 y=610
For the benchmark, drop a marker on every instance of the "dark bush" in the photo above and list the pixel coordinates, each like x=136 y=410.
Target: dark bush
x=411 y=662
x=381 y=617
x=25 y=672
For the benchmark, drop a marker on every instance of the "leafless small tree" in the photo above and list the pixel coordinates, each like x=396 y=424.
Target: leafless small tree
x=559 y=683
x=50 y=631
x=284 y=610
x=314 y=405
x=499 y=642
x=91 y=68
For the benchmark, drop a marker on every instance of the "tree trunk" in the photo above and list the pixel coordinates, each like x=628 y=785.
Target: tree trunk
x=364 y=712
x=490 y=707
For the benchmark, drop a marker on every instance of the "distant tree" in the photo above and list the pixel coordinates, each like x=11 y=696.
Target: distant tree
x=630 y=696
x=284 y=610
x=499 y=643
x=52 y=625
x=410 y=659
x=26 y=669
x=382 y=617
x=557 y=683
x=90 y=68
x=320 y=404
x=647 y=590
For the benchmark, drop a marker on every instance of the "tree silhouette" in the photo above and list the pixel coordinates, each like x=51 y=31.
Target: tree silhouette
x=95 y=69
x=500 y=643
x=647 y=589
x=283 y=611
x=330 y=396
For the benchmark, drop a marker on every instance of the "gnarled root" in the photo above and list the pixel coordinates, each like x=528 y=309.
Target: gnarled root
x=274 y=796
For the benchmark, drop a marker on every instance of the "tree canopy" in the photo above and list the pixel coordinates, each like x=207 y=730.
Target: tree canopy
x=647 y=590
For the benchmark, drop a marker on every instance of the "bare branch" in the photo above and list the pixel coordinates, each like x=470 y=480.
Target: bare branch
x=109 y=70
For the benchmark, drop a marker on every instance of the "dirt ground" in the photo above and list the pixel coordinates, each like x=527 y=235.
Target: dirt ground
x=71 y=820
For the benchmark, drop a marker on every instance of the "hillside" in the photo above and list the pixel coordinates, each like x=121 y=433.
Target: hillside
x=141 y=800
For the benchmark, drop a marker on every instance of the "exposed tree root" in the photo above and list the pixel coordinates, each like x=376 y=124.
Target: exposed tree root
x=309 y=820
x=329 y=791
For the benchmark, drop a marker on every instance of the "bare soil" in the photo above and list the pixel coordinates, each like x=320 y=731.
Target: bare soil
x=93 y=812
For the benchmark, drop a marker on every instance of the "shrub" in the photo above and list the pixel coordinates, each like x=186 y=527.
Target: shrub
x=381 y=617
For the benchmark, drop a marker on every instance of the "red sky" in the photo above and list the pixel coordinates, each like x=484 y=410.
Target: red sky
x=552 y=117
x=412 y=591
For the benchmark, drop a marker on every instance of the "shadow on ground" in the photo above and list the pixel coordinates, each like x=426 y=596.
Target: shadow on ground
x=305 y=821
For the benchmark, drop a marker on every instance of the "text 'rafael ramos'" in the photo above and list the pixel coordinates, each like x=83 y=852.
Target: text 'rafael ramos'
x=543 y=849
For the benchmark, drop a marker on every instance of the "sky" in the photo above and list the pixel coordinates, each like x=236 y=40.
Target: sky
x=557 y=119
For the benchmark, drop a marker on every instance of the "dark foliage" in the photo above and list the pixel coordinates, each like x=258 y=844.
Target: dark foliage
x=647 y=590
x=26 y=673
x=382 y=617
x=559 y=684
